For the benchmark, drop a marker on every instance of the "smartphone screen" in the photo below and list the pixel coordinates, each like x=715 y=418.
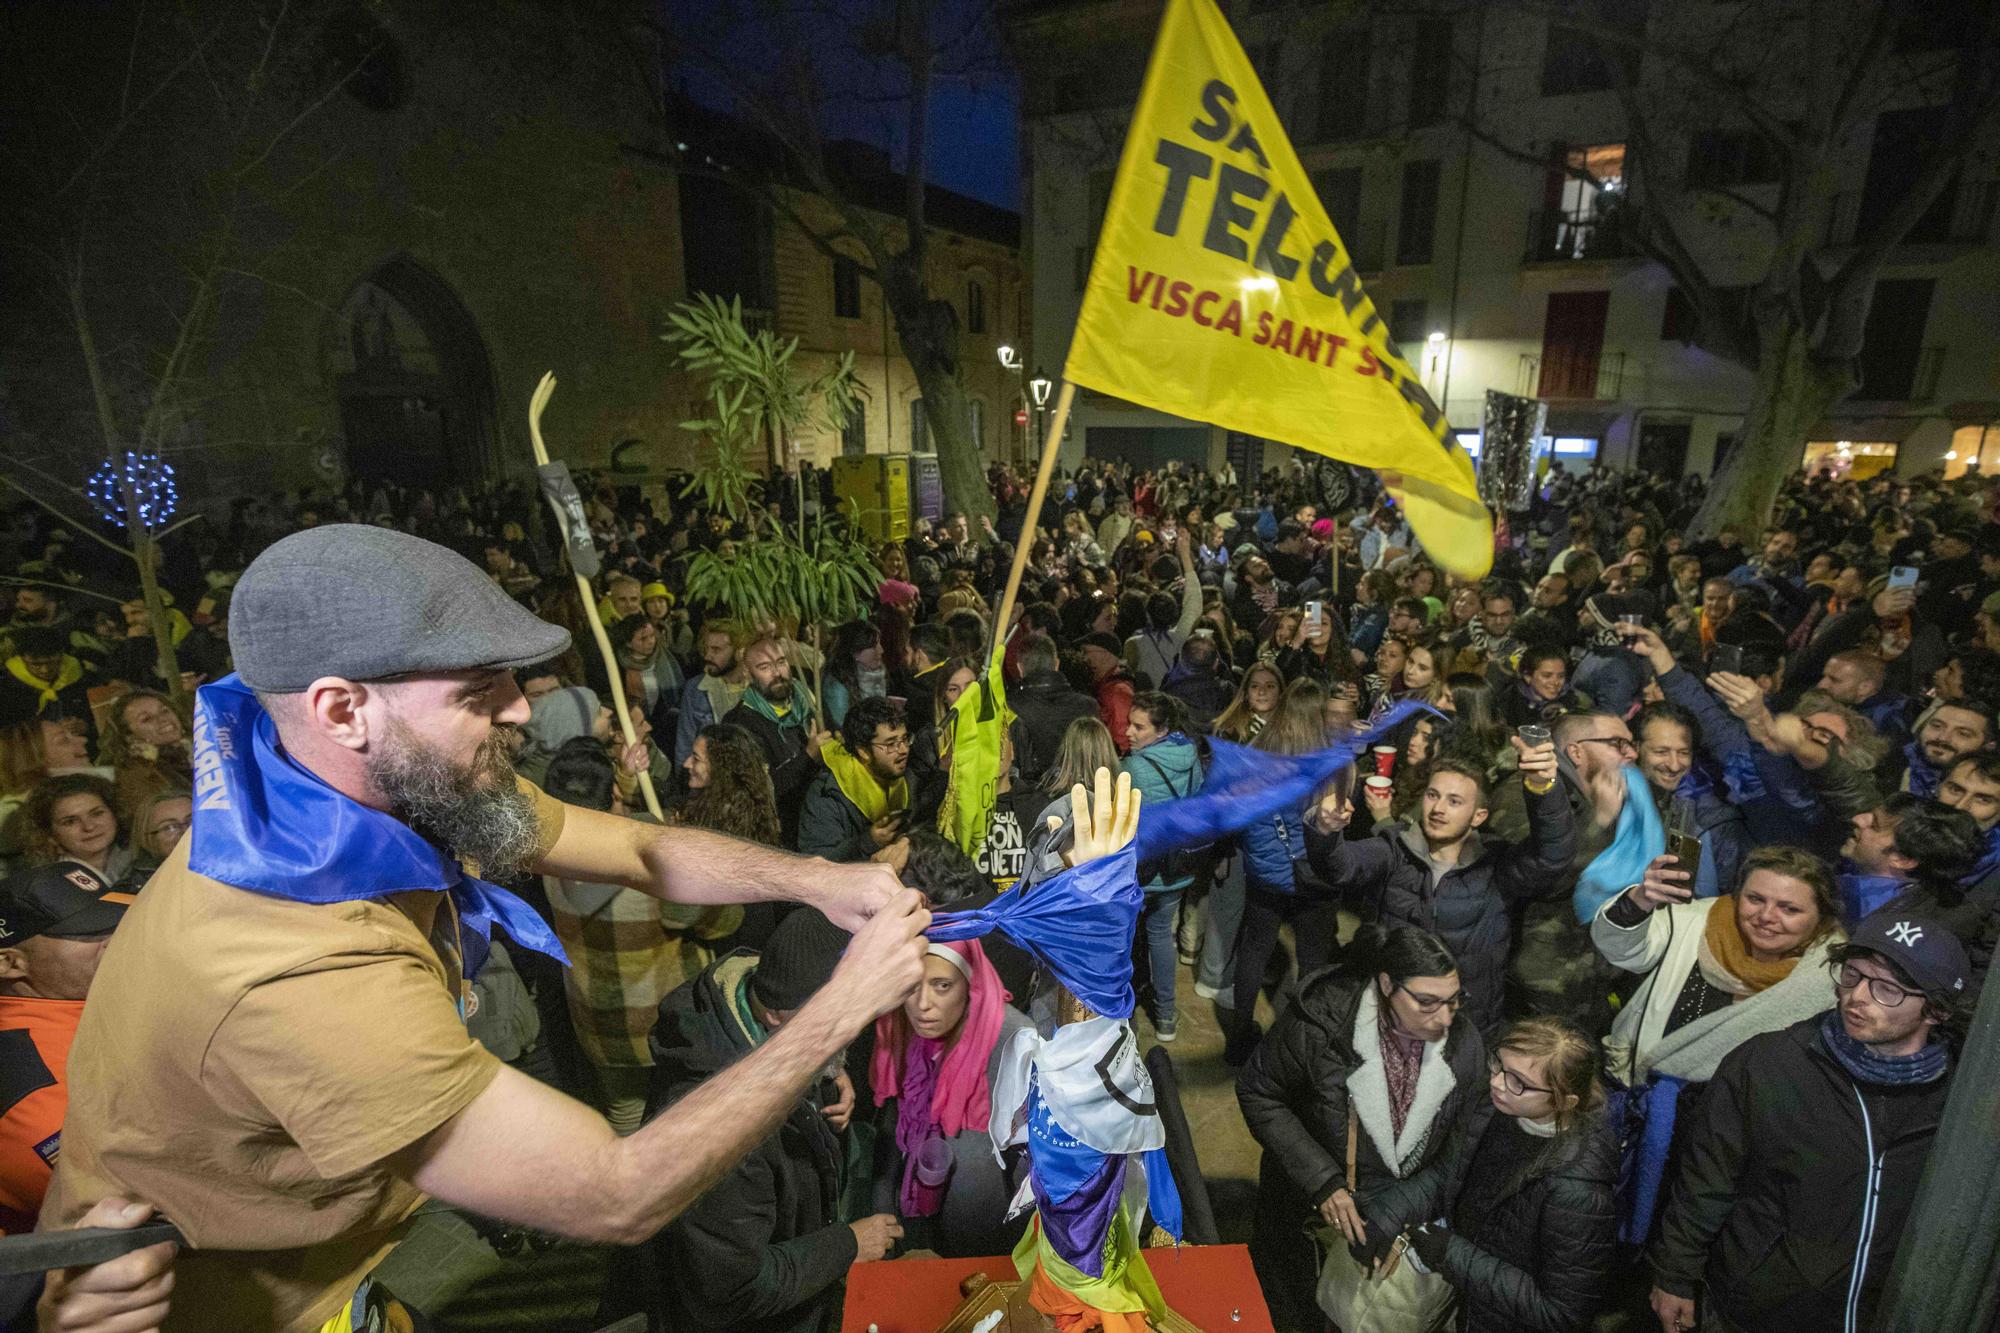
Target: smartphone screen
x=1903 y=576
x=1686 y=849
x=1728 y=657
x=1313 y=613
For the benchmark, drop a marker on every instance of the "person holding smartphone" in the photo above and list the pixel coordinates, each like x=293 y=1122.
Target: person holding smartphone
x=1714 y=973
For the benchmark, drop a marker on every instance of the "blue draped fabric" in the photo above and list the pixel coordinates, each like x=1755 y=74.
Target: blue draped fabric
x=1637 y=838
x=1079 y=924
x=265 y=824
x=1643 y=1120
x=1244 y=784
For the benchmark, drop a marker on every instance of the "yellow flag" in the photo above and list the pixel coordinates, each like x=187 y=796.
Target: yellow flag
x=1221 y=292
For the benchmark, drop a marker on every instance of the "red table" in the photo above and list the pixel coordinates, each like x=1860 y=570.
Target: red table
x=1206 y=1283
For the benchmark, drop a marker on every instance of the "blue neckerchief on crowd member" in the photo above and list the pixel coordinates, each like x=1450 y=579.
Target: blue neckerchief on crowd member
x=1989 y=858
x=1637 y=839
x=1865 y=1065
x=1864 y=895
x=1923 y=779
x=265 y=824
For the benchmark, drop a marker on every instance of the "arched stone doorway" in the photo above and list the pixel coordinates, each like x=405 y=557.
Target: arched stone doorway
x=415 y=384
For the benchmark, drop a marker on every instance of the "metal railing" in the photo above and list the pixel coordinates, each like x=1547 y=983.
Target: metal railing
x=1557 y=236
x=1572 y=378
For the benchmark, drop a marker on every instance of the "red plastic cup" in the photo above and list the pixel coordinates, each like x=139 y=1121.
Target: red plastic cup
x=1385 y=760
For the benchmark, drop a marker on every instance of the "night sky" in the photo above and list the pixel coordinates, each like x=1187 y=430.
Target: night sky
x=974 y=116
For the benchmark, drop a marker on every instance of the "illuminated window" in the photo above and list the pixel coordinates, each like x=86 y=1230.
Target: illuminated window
x=1576 y=446
x=1974 y=449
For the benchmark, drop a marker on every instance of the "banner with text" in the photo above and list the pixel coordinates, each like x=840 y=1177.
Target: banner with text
x=1221 y=292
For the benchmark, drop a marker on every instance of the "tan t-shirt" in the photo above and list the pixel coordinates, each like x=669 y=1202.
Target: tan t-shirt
x=248 y=1065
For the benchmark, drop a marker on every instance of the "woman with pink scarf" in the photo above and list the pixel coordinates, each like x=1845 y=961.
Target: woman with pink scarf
x=932 y=1073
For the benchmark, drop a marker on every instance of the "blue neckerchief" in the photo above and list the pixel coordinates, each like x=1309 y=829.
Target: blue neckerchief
x=1863 y=895
x=1989 y=858
x=1924 y=779
x=265 y=824
x=1882 y=1071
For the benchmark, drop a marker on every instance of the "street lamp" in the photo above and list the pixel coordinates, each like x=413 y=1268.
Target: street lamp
x=1038 y=389
x=1009 y=358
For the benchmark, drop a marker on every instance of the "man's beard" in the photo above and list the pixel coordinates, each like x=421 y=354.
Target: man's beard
x=475 y=809
x=711 y=669
x=778 y=691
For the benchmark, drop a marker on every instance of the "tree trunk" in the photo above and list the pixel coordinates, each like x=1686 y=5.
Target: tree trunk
x=928 y=330
x=1793 y=391
x=142 y=549
x=164 y=659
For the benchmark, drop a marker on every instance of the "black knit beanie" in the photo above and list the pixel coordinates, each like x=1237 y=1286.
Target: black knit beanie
x=797 y=959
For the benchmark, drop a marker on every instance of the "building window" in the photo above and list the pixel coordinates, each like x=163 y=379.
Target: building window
x=1575 y=62
x=846 y=288
x=1468 y=440
x=1720 y=159
x=1100 y=200
x=1430 y=71
x=975 y=306
x=1892 y=341
x=1581 y=193
x=1343 y=84
x=854 y=435
x=1416 y=223
x=1576 y=446
x=1406 y=325
x=1339 y=190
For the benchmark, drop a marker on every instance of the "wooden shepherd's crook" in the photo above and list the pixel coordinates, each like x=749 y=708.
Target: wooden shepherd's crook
x=543 y=392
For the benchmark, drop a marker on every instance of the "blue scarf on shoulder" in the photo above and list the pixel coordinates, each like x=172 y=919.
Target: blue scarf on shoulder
x=265 y=824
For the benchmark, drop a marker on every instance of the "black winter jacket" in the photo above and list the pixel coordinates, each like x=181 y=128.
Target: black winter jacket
x=1294 y=1094
x=764 y=1249
x=832 y=826
x=1541 y=1257
x=792 y=767
x=1388 y=877
x=1044 y=705
x=1792 y=1175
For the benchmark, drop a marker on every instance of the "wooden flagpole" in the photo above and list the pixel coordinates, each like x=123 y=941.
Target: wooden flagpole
x=543 y=392
x=1057 y=421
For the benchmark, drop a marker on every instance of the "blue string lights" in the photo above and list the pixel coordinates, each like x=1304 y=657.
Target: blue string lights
x=147 y=477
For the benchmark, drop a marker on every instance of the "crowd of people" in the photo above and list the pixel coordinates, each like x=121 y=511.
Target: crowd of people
x=1644 y=946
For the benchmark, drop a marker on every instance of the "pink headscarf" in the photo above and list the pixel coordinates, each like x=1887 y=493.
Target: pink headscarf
x=960 y=1098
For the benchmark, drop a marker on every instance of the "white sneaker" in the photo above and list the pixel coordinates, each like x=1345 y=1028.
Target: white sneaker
x=1206 y=991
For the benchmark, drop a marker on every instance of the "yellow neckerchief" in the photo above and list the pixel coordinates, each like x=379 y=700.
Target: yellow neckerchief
x=858 y=784
x=70 y=673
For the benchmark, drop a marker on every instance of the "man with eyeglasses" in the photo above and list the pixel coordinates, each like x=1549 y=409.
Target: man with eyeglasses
x=1802 y=1163
x=1554 y=972
x=856 y=806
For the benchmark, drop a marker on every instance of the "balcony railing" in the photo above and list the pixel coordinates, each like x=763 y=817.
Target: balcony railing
x=1571 y=377
x=1555 y=236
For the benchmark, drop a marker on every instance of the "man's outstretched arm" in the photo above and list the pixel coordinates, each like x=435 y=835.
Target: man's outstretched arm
x=695 y=866
x=525 y=1153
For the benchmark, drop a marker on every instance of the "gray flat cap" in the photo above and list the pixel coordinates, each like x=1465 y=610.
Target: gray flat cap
x=352 y=600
